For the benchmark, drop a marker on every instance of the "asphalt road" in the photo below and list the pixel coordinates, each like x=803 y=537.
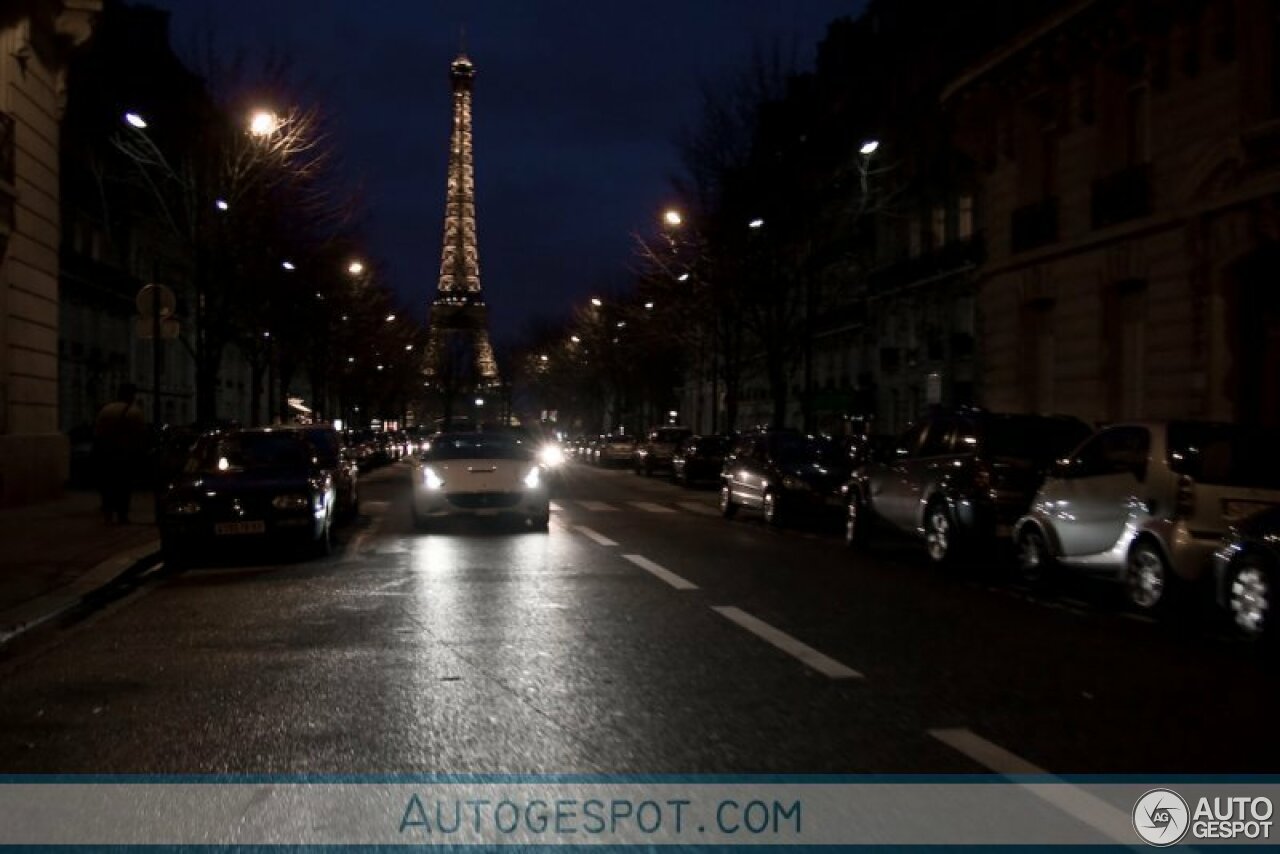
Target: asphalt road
x=642 y=634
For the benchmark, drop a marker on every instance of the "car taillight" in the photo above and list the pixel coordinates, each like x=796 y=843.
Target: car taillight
x=1184 y=503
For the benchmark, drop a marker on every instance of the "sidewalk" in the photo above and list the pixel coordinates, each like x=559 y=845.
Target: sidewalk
x=54 y=554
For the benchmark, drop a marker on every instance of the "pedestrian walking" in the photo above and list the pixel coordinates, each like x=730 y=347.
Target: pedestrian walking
x=119 y=445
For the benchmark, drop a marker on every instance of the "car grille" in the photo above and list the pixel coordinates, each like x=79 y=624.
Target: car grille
x=482 y=500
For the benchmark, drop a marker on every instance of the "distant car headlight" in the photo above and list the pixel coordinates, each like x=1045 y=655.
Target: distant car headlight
x=183 y=508
x=795 y=484
x=533 y=479
x=551 y=455
x=430 y=479
x=292 y=501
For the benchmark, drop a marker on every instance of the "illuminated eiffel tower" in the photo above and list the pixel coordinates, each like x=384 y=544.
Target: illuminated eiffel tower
x=459 y=357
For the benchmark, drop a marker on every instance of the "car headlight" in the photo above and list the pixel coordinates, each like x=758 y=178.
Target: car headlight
x=533 y=479
x=292 y=501
x=795 y=484
x=430 y=479
x=551 y=455
x=183 y=508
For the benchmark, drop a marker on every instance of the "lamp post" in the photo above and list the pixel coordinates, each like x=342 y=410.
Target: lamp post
x=674 y=220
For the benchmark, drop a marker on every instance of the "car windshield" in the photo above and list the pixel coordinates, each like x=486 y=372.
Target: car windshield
x=250 y=452
x=479 y=447
x=1226 y=454
x=799 y=448
x=1031 y=439
x=713 y=445
x=325 y=442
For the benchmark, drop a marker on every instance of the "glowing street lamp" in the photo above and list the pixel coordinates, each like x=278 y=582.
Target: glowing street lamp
x=683 y=277
x=136 y=120
x=596 y=302
x=288 y=265
x=756 y=223
x=869 y=147
x=263 y=123
x=390 y=318
x=672 y=217
x=221 y=204
x=355 y=268
x=575 y=339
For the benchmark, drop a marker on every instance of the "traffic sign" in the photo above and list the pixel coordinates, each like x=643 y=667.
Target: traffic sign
x=156 y=299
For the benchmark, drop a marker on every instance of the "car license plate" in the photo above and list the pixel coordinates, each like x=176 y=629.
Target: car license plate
x=240 y=528
x=1234 y=511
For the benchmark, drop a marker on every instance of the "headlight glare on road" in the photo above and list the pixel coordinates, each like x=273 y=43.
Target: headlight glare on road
x=430 y=479
x=551 y=455
x=291 y=501
x=183 y=508
x=533 y=479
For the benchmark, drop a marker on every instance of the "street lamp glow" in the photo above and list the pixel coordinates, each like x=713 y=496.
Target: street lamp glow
x=648 y=305
x=379 y=367
x=544 y=357
x=288 y=265
x=355 y=268
x=575 y=339
x=596 y=302
x=755 y=223
x=622 y=324
x=683 y=277
x=390 y=317
x=672 y=217
x=350 y=359
x=263 y=123
x=479 y=401
x=869 y=147
x=221 y=204
x=408 y=346
x=136 y=120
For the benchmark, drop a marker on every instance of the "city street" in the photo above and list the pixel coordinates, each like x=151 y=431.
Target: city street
x=641 y=634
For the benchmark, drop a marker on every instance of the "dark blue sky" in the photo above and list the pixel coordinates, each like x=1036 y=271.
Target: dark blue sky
x=578 y=106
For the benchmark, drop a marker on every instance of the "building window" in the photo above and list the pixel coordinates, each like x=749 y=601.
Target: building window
x=964 y=217
x=938 y=226
x=1138 y=126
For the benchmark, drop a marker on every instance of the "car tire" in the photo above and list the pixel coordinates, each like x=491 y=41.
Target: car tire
x=727 y=508
x=1035 y=564
x=541 y=522
x=855 y=524
x=939 y=533
x=1250 y=598
x=1150 y=584
x=773 y=515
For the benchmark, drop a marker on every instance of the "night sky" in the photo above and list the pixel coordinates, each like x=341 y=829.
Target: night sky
x=577 y=110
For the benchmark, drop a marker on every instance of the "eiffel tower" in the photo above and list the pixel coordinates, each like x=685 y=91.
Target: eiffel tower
x=459 y=357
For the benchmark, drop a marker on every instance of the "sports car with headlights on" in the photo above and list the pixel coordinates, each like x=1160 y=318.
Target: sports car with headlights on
x=480 y=475
x=246 y=487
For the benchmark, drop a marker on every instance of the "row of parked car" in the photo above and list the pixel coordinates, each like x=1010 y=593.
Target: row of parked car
x=1172 y=510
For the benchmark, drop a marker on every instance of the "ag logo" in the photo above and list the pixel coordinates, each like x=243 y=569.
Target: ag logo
x=1161 y=817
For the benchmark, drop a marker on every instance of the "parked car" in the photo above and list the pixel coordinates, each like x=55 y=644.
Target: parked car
x=958 y=479
x=1246 y=568
x=335 y=458
x=784 y=475
x=1148 y=503
x=615 y=449
x=700 y=458
x=248 y=487
x=361 y=447
x=481 y=475
x=654 y=453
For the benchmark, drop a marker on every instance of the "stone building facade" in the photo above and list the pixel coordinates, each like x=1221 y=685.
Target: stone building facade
x=1129 y=156
x=35 y=41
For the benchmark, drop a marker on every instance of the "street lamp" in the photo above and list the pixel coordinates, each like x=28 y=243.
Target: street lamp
x=355 y=268
x=575 y=339
x=869 y=147
x=756 y=223
x=221 y=204
x=596 y=302
x=136 y=120
x=288 y=265
x=672 y=218
x=263 y=123
x=390 y=318
x=683 y=277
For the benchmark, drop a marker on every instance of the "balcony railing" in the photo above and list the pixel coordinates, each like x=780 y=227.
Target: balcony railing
x=1035 y=225
x=1121 y=196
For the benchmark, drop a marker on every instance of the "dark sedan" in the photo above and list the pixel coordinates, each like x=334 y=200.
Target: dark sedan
x=700 y=458
x=784 y=475
x=249 y=487
x=335 y=458
x=1245 y=570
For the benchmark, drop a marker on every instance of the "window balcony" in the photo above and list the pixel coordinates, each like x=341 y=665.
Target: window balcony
x=1121 y=196
x=1034 y=225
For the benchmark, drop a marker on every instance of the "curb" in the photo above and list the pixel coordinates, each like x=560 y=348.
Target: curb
x=120 y=567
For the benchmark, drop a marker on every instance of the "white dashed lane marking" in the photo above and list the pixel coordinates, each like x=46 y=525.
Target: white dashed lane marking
x=1072 y=800
x=661 y=572
x=650 y=507
x=597 y=506
x=597 y=538
x=824 y=664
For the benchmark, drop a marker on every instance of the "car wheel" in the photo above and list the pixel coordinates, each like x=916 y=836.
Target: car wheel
x=1035 y=563
x=1150 y=585
x=772 y=510
x=939 y=533
x=541 y=522
x=727 y=508
x=1249 y=595
x=855 y=524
